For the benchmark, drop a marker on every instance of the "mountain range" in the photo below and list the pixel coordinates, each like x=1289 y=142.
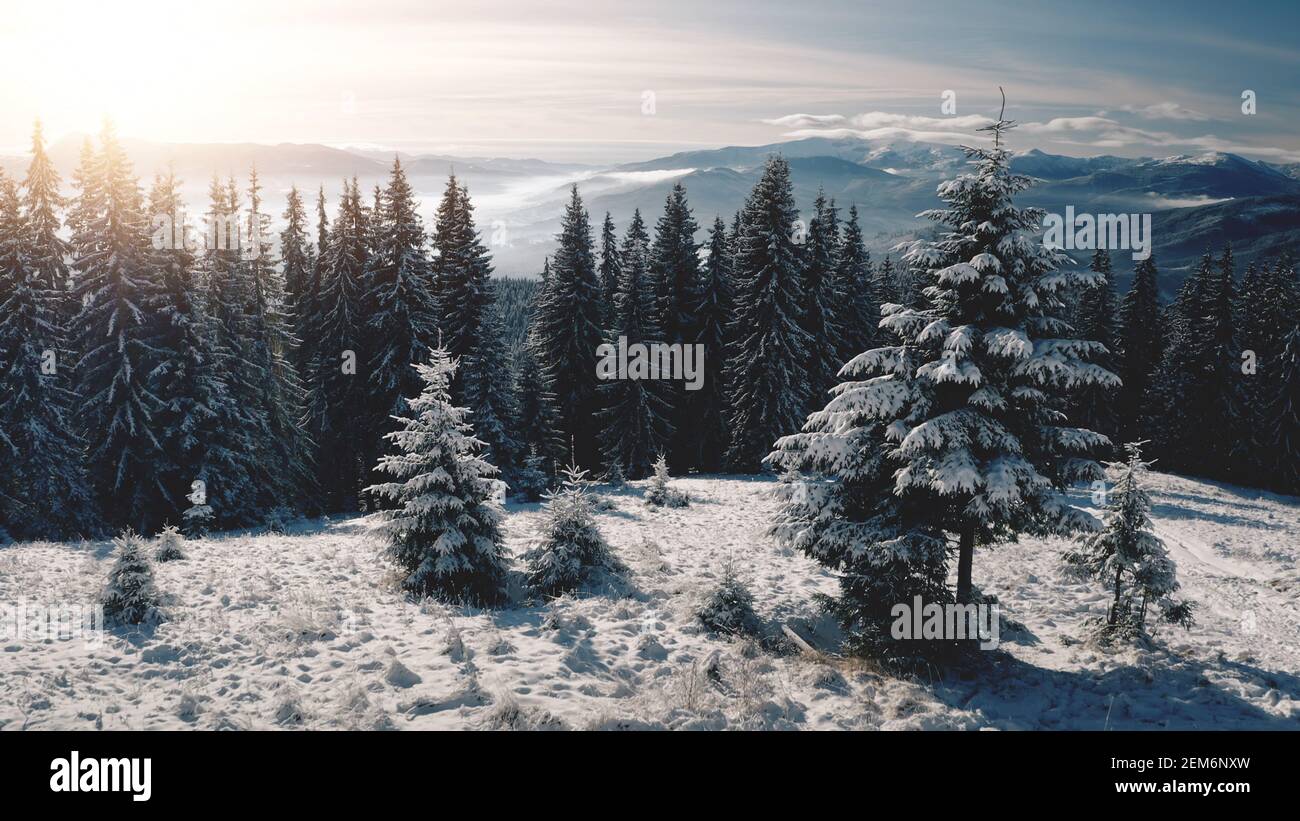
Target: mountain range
x=1197 y=201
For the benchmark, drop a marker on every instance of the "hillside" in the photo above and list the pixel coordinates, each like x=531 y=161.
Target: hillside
x=304 y=629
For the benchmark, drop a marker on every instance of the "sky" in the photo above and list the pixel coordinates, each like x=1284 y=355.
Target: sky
x=611 y=81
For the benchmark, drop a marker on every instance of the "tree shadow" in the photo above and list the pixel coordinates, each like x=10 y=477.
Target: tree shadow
x=1163 y=510
x=1172 y=694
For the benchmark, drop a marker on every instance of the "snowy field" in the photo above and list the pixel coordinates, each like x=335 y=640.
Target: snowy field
x=306 y=630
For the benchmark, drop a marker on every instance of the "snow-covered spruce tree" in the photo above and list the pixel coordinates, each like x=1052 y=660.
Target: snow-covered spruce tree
x=197 y=518
x=979 y=386
x=820 y=310
x=566 y=332
x=570 y=552
x=115 y=335
x=47 y=251
x=1128 y=558
x=297 y=269
x=609 y=268
x=196 y=422
x=838 y=506
x=858 y=308
x=129 y=596
x=966 y=410
x=1196 y=385
x=536 y=412
x=1094 y=406
x=766 y=367
x=531 y=480
x=733 y=243
x=490 y=391
x=445 y=531
x=673 y=261
x=229 y=467
x=281 y=395
x=337 y=404
x=715 y=313
x=85 y=204
x=1140 y=340
x=297 y=257
x=170 y=542
x=674 y=278
x=308 y=317
x=44 y=490
x=1267 y=311
x=465 y=299
x=373 y=212
x=1283 y=415
x=614 y=475
x=634 y=421
x=886 y=282
x=462 y=271
x=729 y=607
x=402 y=315
x=658 y=493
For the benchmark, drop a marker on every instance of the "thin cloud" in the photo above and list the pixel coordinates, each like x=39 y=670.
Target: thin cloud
x=882 y=119
x=1102 y=132
x=890 y=135
x=1093 y=132
x=1166 y=111
x=807 y=120
x=885 y=126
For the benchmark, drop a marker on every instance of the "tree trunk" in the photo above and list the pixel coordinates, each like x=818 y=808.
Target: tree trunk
x=1114 y=608
x=965 y=557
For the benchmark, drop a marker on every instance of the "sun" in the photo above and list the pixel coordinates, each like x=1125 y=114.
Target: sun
x=146 y=63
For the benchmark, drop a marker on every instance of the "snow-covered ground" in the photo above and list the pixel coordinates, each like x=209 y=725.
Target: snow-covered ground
x=307 y=630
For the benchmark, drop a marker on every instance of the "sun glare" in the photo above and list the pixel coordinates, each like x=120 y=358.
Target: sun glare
x=142 y=63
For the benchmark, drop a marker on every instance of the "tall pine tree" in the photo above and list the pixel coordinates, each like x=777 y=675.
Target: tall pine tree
x=717 y=304
x=970 y=402
x=609 y=268
x=1094 y=406
x=44 y=490
x=337 y=409
x=635 y=423
x=674 y=279
x=1140 y=342
x=115 y=334
x=857 y=311
x=402 y=320
x=767 y=367
x=566 y=332
x=820 y=312
x=1197 y=386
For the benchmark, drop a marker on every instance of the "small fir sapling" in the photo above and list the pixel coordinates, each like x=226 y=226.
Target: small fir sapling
x=445 y=533
x=659 y=494
x=197 y=518
x=571 y=550
x=1128 y=558
x=169 y=545
x=729 y=607
x=531 y=481
x=129 y=597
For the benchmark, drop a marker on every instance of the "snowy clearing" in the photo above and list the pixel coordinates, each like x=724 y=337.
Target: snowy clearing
x=307 y=630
